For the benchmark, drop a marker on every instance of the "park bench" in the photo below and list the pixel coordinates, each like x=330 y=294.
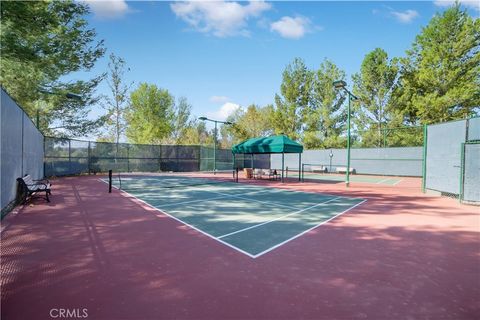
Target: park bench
x=258 y=173
x=344 y=170
x=30 y=187
x=273 y=174
x=320 y=169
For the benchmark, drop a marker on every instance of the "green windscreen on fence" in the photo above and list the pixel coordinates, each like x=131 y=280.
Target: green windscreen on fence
x=70 y=157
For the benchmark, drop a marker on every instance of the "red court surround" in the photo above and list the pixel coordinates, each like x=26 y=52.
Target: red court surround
x=401 y=255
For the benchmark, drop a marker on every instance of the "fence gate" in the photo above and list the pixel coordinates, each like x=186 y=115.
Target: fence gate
x=470 y=184
x=452 y=159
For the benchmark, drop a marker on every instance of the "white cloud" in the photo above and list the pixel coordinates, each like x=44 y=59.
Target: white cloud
x=406 y=16
x=220 y=18
x=108 y=9
x=218 y=99
x=466 y=3
x=225 y=110
x=291 y=28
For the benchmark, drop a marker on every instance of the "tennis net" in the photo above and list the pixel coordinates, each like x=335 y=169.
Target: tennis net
x=153 y=181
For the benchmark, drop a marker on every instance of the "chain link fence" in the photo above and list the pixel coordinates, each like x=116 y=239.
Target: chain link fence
x=375 y=161
x=73 y=157
x=224 y=160
x=408 y=136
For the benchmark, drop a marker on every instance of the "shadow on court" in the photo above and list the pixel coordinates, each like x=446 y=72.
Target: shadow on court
x=400 y=255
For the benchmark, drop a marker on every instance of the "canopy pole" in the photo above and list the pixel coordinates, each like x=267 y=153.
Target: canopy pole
x=283 y=163
x=234 y=164
x=251 y=160
x=299 y=166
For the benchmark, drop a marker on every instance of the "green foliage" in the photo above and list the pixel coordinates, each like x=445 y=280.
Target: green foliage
x=323 y=118
x=250 y=123
x=116 y=104
x=291 y=105
x=309 y=109
x=196 y=134
x=181 y=122
x=154 y=118
x=150 y=114
x=42 y=42
x=406 y=136
x=374 y=86
x=440 y=76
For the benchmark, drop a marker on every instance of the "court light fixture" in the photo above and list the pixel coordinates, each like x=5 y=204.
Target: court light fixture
x=342 y=85
x=339 y=84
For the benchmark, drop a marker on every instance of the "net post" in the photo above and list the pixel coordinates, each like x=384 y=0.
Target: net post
x=299 y=167
x=110 y=181
x=303 y=172
x=424 y=163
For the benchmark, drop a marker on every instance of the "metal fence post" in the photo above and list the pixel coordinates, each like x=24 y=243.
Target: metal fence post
x=462 y=172
x=89 y=155
x=424 y=163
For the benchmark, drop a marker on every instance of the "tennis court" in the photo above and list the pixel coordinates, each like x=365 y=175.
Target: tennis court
x=250 y=219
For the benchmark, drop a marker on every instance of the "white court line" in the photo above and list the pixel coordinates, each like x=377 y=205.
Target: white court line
x=303 y=232
x=254 y=200
x=281 y=217
x=222 y=196
x=128 y=195
x=399 y=180
x=226 y=195
x=192 y=201
x=381 y=181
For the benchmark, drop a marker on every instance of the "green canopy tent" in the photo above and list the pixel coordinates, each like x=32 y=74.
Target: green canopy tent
x=268 y=145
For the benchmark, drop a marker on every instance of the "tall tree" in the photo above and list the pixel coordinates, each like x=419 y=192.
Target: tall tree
x=197 y=134
x=42 y=42
x=181 y=121
x=440 y=76
x=374 y=86
x=324 y=119
x=294 y=99
x=149 y=115
x=250 y=123
x=117 y=103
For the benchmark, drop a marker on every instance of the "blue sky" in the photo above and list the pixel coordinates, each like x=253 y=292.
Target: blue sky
x=221 y=55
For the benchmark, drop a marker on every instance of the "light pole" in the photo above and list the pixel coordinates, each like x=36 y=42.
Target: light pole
x=215 y=140
x=331 y=156
x=67 y=95
x=338 y=85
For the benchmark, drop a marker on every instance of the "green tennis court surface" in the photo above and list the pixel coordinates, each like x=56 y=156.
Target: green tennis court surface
x=353 y=178
x=251 y=219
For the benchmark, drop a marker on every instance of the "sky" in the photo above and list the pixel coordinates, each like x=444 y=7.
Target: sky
x=225 y=55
